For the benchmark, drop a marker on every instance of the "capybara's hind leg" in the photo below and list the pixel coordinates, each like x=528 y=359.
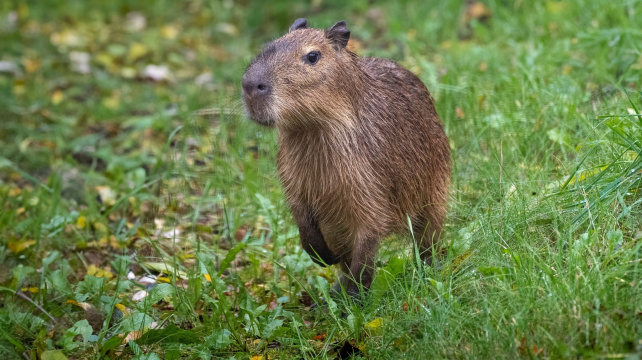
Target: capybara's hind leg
x=427 y=233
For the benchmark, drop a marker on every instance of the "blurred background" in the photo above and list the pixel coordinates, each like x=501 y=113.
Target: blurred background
x=124 y=148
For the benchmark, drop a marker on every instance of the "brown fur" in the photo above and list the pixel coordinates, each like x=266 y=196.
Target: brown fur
x=361 y=147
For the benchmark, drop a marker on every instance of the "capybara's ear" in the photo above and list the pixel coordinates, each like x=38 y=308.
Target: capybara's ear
x=299 y=24
x=338 y=34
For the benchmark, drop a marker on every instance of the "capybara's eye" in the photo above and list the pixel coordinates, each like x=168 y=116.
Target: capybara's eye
x=313 y=57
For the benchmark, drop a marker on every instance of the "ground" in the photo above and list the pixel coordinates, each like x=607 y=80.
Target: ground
x=141 y=216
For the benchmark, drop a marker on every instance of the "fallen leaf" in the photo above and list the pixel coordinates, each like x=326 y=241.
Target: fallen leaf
x=80 y=62
x=9 y=67
x=53 y=355
x=156 y=73
x=169 y=31
x=476 y=10
x=81 y=222
x=132 y=336
x=460 y=113
x=135 y=22
x=31 y=65
x=106 y=194
x=137 y=51
x=376 y=323
x=16 y=246
x=555 y=7
x=138 y=296
x=227 y=28
x=98 y=272
x=320 y=337
x=122 y=309
x=240 y=234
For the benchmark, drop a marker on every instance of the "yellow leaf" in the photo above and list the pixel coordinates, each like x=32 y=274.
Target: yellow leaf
x=31 y=65
x=256 y=357
x=31 y=289
x=122 y=309
x=583 y=175
x=81 y=222
x=162 y=279
x=137 y=51
x=85 y=306
x=630 y=155
x=100 y=227
x=169 y=31
x=113 y=242
x=376 y=323
x=19 y=88
x=57 y=97
x=107 y=61
x=98 y=272
x=102 y=242
x=16 y=246
x=111 y=103
x=15 y=192
x=555 y=7
x=128 y=72
x=20 y=210
x=92 y=269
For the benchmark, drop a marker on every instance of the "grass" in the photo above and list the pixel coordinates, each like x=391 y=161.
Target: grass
x=114 y=185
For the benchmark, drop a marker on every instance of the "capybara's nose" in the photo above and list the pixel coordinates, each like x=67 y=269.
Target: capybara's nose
x=255 y=84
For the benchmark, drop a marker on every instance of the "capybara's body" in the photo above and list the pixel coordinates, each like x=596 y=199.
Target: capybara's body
x=362 y=148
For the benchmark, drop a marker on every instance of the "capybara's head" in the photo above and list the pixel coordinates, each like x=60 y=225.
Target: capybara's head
x=301 y=79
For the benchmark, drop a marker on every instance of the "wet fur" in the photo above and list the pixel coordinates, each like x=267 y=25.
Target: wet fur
x=361 y=148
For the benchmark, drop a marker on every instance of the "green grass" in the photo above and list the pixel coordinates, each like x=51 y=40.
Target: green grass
x=107 y=177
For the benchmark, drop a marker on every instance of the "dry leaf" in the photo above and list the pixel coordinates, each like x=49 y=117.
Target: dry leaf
x=106 y=194
x=16 y=246
x=156 y=73
x=80 y=62
x=460 y=113
x=31 y=65
x=138 y=296
x=476 y=10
